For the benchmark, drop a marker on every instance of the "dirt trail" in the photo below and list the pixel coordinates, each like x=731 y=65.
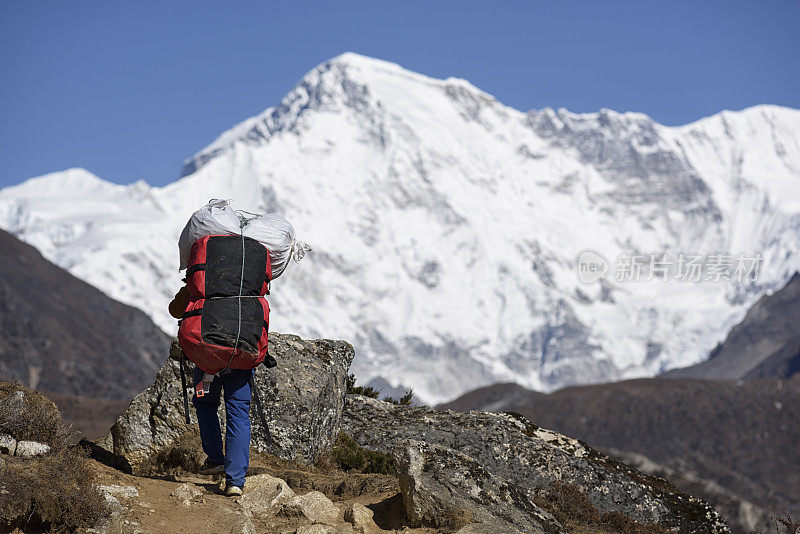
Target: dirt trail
x=155 y=510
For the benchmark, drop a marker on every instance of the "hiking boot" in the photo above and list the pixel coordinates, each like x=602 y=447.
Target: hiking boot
x=233 y=491
x=211 y=468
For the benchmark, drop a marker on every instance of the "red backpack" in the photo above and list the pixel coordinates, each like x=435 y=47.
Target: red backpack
x=226 y=323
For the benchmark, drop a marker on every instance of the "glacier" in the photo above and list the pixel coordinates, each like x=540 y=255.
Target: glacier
x=446 y=227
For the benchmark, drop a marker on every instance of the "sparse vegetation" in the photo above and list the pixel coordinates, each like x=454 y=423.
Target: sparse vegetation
x=573 y=509
x=34 y=417
x=348 y=455
x=54 y=492
x=371 y=392
x=367 y=391
x=185 y=455
x=784 y=525
x=405 y=400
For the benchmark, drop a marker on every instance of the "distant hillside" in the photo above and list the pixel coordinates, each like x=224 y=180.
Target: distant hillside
x=741 y=436
x=766 y=344
x=59 y=334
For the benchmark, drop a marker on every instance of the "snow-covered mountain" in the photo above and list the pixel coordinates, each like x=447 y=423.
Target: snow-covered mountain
x=446 y=226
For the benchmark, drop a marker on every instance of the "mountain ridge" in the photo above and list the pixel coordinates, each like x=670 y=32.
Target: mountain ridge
x=447 y=226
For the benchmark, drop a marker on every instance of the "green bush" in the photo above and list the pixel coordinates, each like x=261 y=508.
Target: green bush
x=405 y=400
x=348 y=455
x=367 y=391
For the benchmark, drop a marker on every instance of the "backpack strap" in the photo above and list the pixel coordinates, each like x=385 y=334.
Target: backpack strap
x=259 y=408
x=183 y=387
x=193 y=313
x=194 y=268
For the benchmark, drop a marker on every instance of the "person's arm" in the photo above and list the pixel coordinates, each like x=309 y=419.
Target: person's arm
x=179 y=303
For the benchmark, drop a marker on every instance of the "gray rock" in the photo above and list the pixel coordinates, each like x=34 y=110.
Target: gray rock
x=444 y=488
x=531 y=458
x=302 y=400
x=324 y=529
x=360 y=517
x=264 y=495
x=126 y=492
x=187 y=494
x=486 y=528
x=8 y=445
x=29 y=449
x=314 y=506
x=112 y=502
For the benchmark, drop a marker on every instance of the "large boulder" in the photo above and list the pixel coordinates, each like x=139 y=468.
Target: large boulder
x=516 y=451
x=302 y=400
x=446 y=489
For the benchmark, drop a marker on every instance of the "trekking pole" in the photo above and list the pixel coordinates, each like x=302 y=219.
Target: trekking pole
x=259 y=408
x=183 y=387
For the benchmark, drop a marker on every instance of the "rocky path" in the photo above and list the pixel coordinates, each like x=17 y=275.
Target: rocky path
x=191 y=504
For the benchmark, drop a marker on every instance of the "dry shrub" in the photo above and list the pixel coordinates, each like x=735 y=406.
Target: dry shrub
x=453 y=519
x=185 y=455
x=348 y=455
x=784 y=523
x=572 y=508
x=34 y=417
x=54 y=492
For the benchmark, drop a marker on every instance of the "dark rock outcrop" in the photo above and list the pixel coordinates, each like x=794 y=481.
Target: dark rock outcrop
x=446 y=489
x=739 y=436
x=302 y=399
x=531 y=458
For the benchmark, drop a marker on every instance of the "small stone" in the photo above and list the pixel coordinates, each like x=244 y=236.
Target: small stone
x=112 y=502
x=325 y=529
x=15 y=400
x=360 y=517
x=487 y=528
x=29 y=449
x=8 y=445
x=126 y=492
x=314 y=506
x=264 y=495
x=187 y=494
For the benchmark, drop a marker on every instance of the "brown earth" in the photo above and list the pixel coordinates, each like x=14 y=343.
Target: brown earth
x=156 y=511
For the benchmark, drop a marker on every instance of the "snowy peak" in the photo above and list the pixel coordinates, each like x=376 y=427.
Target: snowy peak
x=349 y=83
x=447 y=228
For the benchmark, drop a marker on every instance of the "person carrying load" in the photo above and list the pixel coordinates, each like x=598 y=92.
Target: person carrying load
x=231 y=258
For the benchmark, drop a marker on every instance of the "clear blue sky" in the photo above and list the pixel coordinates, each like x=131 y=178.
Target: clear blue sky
x=128 y=90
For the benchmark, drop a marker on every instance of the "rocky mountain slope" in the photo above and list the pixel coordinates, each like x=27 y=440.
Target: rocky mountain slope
x=60 y=334
x=447 y=227
x=472 y=473
x=733 y=443
x=766 y=344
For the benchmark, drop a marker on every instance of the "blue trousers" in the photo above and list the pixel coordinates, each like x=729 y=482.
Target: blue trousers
x=236 y=387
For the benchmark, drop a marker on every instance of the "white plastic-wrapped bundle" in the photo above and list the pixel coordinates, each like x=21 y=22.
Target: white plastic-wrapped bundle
x=215 y=218
x=271 y=230
x=277 y=234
